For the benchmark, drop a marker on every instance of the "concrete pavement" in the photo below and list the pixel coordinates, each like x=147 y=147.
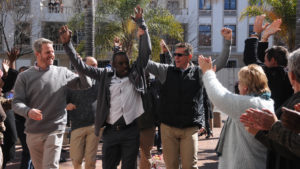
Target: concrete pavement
x=207 y=158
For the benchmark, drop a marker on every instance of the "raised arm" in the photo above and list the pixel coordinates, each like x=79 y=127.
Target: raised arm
x=144 y=42
x=251 y=51
x=263 y=44
x=165 y=54
x=80 y=66
x=221 y=61
x=9 y=75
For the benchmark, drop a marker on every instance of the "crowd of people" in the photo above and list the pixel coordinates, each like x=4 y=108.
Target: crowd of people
x=123 y=106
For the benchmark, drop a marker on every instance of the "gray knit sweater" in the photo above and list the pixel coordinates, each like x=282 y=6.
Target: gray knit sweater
x=240 y=150
x=45 y=90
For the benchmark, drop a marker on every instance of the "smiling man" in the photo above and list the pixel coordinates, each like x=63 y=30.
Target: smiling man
x=181 y=103
x=40 y=96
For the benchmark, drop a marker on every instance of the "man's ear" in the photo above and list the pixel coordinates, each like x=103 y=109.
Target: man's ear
x=293 y=77
x=273 y=62
x=36 y=54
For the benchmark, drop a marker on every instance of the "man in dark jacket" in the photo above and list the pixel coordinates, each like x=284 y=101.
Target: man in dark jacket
x=182 y=110
x=273 y=60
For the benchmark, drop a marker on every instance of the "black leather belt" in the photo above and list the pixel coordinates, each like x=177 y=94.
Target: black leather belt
x=118 y=127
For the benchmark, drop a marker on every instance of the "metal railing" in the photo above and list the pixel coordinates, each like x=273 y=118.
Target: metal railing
x=58 y=9
x=179 y=11
x=58 y=47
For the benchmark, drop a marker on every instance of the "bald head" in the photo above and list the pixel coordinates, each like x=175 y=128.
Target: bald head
x=91 y=61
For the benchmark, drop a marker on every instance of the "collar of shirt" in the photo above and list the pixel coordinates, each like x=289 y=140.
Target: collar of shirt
x=40 y=69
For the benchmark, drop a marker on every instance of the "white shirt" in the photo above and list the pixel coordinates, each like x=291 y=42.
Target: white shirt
x=124 y=101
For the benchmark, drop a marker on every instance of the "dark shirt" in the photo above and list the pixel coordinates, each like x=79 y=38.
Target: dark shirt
x=278 y=80
x=85 y=101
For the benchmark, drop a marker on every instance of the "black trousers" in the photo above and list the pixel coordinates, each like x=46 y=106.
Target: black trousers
x=10 y=138
x=120 y=145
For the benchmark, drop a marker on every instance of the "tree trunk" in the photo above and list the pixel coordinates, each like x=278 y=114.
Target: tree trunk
x=297 y=42
x=89 y=28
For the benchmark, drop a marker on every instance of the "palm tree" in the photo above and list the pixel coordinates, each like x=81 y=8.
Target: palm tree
x=113 y=20
x=274 y=9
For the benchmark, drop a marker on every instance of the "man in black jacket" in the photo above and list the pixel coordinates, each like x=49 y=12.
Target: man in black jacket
x=272 y=60
x=181 y=103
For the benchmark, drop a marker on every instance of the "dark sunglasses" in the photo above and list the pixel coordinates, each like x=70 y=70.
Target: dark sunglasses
x=178 y=54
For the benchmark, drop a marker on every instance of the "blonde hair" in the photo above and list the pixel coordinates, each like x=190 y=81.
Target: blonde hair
x=254 y=77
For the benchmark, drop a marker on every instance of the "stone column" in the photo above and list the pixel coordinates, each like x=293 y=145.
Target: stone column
x=193 y=31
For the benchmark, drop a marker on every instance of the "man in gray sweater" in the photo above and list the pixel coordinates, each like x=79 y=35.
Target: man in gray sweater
x=40 y=96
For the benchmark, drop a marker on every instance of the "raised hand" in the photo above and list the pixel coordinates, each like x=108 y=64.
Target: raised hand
x=226 y=33
x=71 y=106
x=258 y=26
x=35 y=114
x=5 y=66
x=117 y=42
x=13 y=54
x=297 y=107
x=271 y=30
x=205 y=63
x=138 y=13
x=163 y=46
x=65 y=34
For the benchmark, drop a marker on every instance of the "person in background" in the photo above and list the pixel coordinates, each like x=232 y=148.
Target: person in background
x=272 y=60
x=81 y=111
x=235 y=142
x=2 y=129
x=8 y=79
x=283 y=144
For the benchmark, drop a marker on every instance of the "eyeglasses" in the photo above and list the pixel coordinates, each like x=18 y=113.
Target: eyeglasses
x=179 y=54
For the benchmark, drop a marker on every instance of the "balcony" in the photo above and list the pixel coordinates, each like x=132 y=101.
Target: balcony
x=179 y=11
x=58 y=48
x=204 y=12
x=57 y=14
x=230 y=13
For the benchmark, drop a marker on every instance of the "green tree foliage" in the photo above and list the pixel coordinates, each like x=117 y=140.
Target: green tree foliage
x=274 y=9
x=113 y=19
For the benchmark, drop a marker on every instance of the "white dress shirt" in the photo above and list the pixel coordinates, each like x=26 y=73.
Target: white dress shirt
x=124 y=101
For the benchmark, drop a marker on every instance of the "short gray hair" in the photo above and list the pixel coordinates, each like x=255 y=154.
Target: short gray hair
x=294 y=64
x=188 y=47
x=37 y=45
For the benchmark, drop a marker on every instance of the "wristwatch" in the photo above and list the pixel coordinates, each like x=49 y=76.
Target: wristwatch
x=255 y=34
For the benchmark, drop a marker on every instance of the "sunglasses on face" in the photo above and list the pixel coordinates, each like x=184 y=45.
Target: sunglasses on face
x=179 y=54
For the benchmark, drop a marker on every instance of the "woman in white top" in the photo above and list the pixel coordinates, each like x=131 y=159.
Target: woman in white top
x=237 y=148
